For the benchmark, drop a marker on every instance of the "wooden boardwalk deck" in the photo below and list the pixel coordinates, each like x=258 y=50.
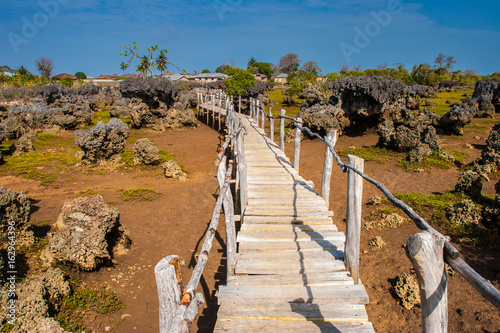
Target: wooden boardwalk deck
x=290 y=274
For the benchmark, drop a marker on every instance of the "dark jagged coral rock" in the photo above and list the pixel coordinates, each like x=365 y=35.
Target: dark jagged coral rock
x=102 y=142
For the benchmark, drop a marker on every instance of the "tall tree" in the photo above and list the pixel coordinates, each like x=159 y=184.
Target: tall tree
x=289 y=63
x=439 y=61
x=22 y=71
x=144 y=66
x=44 y=66
x=450 y=61
x=132 y=52
x=162 y=61
x=251 y=62
x=311 y=67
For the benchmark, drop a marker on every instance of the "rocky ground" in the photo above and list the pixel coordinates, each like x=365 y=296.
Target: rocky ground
x=171 y=215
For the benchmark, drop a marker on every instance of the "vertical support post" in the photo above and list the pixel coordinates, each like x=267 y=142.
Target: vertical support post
x=425 y=251
x=239 y=104
x=296 y=155
x=271 y=122
x=169 y=285
x=242 y=168
x=229 y=217
x=282 y=130
x=353 y=218
x=331 y=138
x=213 y=111
x=257 y=111
x=263 y=123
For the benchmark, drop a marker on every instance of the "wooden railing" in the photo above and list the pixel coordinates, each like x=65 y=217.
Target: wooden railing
x=428 y=251
x=180 y=305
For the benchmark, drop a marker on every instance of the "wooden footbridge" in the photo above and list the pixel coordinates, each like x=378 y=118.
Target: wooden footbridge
x=288 y=267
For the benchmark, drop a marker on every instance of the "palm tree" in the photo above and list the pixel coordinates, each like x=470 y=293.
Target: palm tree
x=162 y=61
x=123 y=66
x=251 y=62
x=22 y=71
x=145 y=66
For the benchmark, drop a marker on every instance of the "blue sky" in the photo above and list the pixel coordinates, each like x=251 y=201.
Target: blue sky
x=88 y=35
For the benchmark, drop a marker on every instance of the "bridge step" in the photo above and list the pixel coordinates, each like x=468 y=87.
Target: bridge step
x=290 y=246
x=311 y=220
x=297 y=280
x=251 y=236
x=290 y=263
x=354 y=294
x=246 y=326
x=293 y=312
x=292 y=212
x=287 y=227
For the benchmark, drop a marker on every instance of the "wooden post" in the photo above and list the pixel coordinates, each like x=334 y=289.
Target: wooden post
x=257 y=111
x=208 y=113
x=213 y=111
x=242 y=168
x=282 y=130
x=239 y=104
x=331 y=137
x=169 y=284
x=353 y=228
x=229 y=217
x=425 y=251
x=263 y=114
x=271 y=120
x=296 y=155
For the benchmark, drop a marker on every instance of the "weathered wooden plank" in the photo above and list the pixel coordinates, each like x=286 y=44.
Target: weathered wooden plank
x=287 y=267
x=249 y=236
x=290 y=220
x=355 y=294
x=287 y=227
x=245 y=326
x=290 y=246
x=292 y=256
x=293 y=312
x=313 y=279
x=289 y=212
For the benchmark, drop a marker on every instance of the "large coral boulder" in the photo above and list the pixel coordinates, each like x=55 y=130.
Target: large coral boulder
x=85 y=231
x=37 y=299
x=455 y=119
x=487 y=95
x=146 y=153
x=102 y=142
x=14 y=207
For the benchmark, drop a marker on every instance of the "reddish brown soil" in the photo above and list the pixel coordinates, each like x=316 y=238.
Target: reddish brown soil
x=175 y=224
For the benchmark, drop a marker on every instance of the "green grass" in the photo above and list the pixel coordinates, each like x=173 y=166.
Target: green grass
x=458 y=154
x=52 y=154
x=436 y=160
x=41 y=166
x=487 y=121
x=291 y=110
x=452 y=137
x=475 y=129
x=86 y=193
x=103 y=116
x=431 y=207
x=454 y=97
x=139 y=194
x=85 y=302
x=373 y=153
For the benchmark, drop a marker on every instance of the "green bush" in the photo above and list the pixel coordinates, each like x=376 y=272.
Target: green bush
x=67 y=82
x=81 y=76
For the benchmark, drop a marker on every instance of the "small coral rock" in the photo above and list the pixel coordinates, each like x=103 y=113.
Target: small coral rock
x=173 y=170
